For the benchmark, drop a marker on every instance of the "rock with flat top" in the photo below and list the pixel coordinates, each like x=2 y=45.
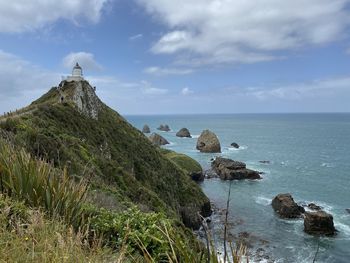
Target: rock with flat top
x=228 y=169
x=319 y=223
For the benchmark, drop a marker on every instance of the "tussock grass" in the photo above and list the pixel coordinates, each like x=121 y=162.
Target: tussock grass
x=27 y=235
x=43 y=219
x=39 y=185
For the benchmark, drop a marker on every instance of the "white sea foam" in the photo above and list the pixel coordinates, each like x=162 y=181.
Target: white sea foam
x=171 y=144
x=195 y=136
x=327 y=165
x=343 y=228
x=284 y=163
x=243 y=147
x=262 y=200
x=325 y=206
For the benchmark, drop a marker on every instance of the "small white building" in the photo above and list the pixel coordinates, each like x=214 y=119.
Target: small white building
x=77 y=73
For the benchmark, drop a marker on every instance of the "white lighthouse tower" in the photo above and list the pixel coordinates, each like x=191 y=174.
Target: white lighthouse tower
x=77 y=73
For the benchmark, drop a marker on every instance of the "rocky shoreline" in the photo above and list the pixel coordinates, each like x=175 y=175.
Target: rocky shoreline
x=258 y=249
x=316 y=221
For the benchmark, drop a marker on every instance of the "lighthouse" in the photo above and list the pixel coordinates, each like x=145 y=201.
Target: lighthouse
x=77 y=73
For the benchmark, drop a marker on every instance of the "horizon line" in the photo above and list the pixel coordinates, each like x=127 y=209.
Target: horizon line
x=234 y=113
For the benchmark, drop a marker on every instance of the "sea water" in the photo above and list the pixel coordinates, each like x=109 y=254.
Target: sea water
x=309 y=157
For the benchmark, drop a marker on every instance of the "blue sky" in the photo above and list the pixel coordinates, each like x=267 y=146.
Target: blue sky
x=184 y=56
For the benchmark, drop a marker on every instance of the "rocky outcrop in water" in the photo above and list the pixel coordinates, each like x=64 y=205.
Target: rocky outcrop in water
x=285 y=207
x=184 y=132
x=146 y=129
x=319 y=223
x=156 y=139
x=208 y=142
x=235 y=145
x=164 y=128
x=347 y=210
x=315 y=207
x=228 y=169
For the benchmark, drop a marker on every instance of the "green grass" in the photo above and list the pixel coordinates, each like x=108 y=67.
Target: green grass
x=188 y=164
x=27 y=235
x=39 y=185
x=111 y=154
x=36 y=222
x=94 y=178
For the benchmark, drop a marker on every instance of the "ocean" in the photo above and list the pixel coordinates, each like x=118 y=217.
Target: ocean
x=309 y=157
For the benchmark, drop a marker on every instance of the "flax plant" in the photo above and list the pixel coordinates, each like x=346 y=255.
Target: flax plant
x=39 y=185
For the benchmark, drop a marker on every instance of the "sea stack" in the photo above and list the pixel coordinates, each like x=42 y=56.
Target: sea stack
x=319 y=223
x=164 y=128
x=285 y=207
x=156 y=139
x=146 y=129
x=184 y=132
x=208 y=142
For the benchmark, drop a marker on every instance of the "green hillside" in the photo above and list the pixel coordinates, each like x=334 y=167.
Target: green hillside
x=70 y=127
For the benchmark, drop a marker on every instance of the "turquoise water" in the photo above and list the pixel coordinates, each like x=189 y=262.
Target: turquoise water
x=310 y=158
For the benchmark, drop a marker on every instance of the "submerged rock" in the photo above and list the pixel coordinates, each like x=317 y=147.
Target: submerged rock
x=265 y=162
x=157 y=139
x=315 y=207
x=284 y=205
x=208 y=142
x=184 y=132
x=164 y=128
x=235 y=145
x=228 y=169
x=347 y=210
x=146 y=129
x=319 y=223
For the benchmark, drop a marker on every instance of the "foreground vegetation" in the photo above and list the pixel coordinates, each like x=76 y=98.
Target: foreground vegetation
x=122 y=167
x=81 y=189
x=45 y=217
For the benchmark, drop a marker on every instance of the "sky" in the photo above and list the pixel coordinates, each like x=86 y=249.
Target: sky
x=183 y=56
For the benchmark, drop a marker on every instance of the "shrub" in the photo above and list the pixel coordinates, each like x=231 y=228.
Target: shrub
x=136 y=230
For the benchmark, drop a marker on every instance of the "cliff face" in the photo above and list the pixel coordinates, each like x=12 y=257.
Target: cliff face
x=72 y=128
x=86 y=100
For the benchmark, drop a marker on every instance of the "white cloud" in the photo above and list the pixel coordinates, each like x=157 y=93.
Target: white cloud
x=241 y=31
x=148 y=89
x=85 y=60
x=21 y=82
x=125 y=89
x=310 y=90
x=157 y=71
x=186 y=91
x=24 y=15
x=136 y=37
